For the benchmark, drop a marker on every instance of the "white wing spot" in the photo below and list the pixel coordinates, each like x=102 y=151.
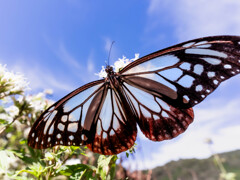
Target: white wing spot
x=206 y=52
x=49 y=139
x=116 y=124
x=155 y=117
x=186 y=81
x=188 y=44
x=52 y=116
x=112 y=132
x=199 y=88
x=75 y=115
x=203 y=96
x=185 y=99
x=61 y=142
x=145 y=112
x=99 y=128
x=198 y=69
x=45 y=115
x=208 y=91
x=64 y=118
x=52 y=108
x=163 y=105
x=215 y=82
x=201 y=42
x=71 y=137
x=227 y=66
x=36 y=139
x=239 y=61
x=222 y=77
x=185 y=66
x=211 y=74
x=104 y=136
x=69 y=143
x=212 y=61
x=33 y=134
x=72 y=127
x=51 y=129
x=84 y=137
x=205 y=46
x=59 y=136
x=164 y=114
x=61 y=126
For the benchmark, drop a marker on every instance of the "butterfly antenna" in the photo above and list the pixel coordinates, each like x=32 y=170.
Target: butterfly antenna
x=110 y=52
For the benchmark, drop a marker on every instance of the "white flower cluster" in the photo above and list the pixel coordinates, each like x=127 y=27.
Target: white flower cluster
x=11 y=83
x=122 y=62
x=15 y=84
x=118 y=65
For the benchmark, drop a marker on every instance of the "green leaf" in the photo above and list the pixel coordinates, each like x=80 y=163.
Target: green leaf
x=105 y=165
x=76 y=171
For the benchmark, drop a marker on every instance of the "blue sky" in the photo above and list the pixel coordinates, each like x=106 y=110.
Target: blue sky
x=62 y=44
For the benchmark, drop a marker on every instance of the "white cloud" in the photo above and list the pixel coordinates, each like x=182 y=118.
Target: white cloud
x=194 y=19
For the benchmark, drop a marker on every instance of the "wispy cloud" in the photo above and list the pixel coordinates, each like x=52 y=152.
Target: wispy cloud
x=79 y=67
x=193 y=19
x=67 y=58
x=38 y=76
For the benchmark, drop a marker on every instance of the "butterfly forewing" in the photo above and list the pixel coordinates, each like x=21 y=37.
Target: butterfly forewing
x=65 y=122
x=191 y=70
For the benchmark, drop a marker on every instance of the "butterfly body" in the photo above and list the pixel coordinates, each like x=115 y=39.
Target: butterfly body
x=156 y=92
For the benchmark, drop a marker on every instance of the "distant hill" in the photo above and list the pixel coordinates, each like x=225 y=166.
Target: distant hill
x=195 y=169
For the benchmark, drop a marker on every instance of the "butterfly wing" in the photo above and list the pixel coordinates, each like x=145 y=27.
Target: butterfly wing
x=189 y=71
x=156 y=118
x=93 y=115
x=71 y=120
x=163 y=86
x=116 y=125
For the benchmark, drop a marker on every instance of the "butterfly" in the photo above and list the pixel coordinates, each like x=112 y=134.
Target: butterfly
x=155 y=92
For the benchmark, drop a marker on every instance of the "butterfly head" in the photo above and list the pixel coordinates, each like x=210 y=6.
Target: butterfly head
x=109 y=70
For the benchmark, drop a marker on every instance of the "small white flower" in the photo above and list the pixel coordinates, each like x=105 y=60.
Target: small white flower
x=72 y=161
x=118 y=65
x=6 y=117
x=13 y=82
x=102 y=73
x=12 y=110
x=49 y=156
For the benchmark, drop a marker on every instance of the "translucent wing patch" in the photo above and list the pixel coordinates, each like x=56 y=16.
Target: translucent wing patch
x=70 y=120
x=115 y=128
x=157 y=120
x=193 y=69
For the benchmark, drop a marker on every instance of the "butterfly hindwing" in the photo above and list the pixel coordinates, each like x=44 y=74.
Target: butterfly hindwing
x=157 y=119
x=115 y=127
x=189 y=71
